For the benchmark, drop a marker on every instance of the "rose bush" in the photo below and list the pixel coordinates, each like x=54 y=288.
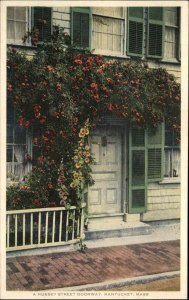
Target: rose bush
x=61 y=94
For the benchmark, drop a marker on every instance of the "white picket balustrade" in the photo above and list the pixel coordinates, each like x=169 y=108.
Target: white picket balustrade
x=44 y=227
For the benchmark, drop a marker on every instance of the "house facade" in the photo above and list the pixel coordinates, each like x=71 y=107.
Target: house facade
x=137 y=176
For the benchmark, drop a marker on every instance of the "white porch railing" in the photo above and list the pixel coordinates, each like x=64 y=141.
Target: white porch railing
x=43 y=227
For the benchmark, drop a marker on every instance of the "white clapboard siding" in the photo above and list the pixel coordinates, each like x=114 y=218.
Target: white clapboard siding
x=61 y=17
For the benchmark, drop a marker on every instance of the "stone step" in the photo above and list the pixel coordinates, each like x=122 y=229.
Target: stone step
x=118 y=230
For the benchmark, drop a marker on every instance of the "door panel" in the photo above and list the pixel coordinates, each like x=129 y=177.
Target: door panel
x=105 y=195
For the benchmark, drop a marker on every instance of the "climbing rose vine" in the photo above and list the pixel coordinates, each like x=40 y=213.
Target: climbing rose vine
x=60 y=94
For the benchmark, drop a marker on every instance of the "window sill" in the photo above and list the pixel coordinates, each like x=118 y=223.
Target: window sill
x=171 y=61
x=170 y=180
x=17 y=45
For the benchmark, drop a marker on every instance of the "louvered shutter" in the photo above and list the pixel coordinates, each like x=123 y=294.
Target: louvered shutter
x=135 y=31
x=155 y=143
x=42 y=21
x=155 y=32
x=81 y=22
x=145 y=164
x=137 y=171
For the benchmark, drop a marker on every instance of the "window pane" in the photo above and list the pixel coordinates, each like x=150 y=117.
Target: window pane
x=19 y=135
x=176 y=162
x=19 y=152
x=9 y=153
x=9 y=134
x=107 y=34
x=172 y=163
x=108 y=11
x=20 y=13
x=20 y=30
x=10 y=13
x=170 y=43
x=10 y=30
x=171 y=16
x=168 y=138
x=138 y=167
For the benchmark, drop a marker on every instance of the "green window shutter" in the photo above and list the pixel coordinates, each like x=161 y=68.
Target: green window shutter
x=137 y=171
x=135 y=31
x=155 y=147
x=81 y=26
x=146 y=150
x=42 y=20
x=155 y=32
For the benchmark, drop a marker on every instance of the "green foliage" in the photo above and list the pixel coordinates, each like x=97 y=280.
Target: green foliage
x=62 y=93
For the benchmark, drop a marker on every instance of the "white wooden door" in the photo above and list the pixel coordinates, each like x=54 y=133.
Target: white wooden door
x=105 y=195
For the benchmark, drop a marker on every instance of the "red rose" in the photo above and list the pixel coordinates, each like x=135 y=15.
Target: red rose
x=42 y=119
x=110 y=107
x=27 y=124
x=9 y=88
x=99 y=71
x=35 y=140
x=20 y=121
x=78 y=61
x=58 y=87
x=94 y=86
x=109 y=80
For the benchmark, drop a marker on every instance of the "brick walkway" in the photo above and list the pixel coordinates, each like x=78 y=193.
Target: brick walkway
x=58 y=270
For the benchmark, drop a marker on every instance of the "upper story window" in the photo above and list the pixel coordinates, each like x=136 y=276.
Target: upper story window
x=17 y=24
x=21 y=20
x=171 y=33
x=153 y=32
x=172 y=155
x=108 y=30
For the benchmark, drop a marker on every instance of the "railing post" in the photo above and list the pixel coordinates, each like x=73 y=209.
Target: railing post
x=31 y=228
x=24 y=228
x=8 y=230
x=60 y=227
x=39 y=228
x=16 y=229
x=82 y=223
x=46 y=226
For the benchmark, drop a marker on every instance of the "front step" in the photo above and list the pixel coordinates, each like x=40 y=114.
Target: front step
x=118 y=230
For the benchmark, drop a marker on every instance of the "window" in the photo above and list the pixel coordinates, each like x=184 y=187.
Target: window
x=108 y=30
x=17 y=24
x=172 y=155
x=155 y=32
x=42 y=21
x=18 y=148
x=81 y=26
x=171 y=37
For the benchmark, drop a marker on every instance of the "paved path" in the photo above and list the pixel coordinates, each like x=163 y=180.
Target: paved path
x=67 y=269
